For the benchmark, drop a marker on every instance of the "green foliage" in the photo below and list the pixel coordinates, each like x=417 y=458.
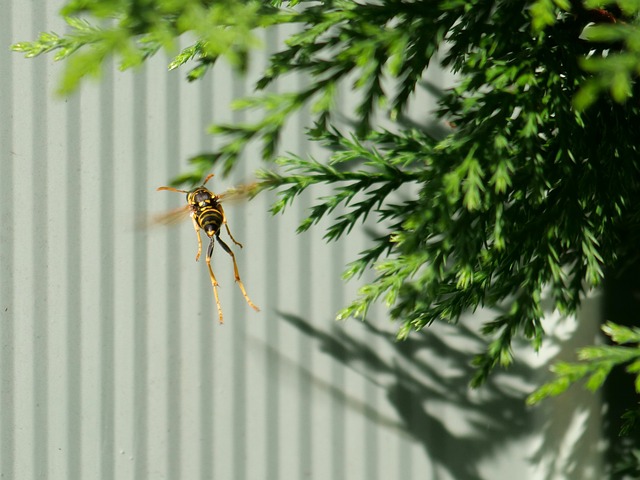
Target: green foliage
x=531 y=196
x=595 y=364
x=134 y=30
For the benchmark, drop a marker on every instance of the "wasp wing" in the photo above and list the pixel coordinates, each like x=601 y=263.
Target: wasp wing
x=171 y=217
x=237 y=193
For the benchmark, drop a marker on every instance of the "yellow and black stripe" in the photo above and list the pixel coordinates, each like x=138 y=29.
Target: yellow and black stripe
x=206 y=210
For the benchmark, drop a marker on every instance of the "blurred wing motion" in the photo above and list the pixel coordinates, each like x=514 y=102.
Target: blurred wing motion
x=171 y=217
x=177 y=215
x=237 y=193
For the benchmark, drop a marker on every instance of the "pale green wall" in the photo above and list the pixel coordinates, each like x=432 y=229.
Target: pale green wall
x=113 y=366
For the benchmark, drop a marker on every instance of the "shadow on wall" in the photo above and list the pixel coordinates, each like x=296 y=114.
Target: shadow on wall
x=425 y=379
x=463 y=432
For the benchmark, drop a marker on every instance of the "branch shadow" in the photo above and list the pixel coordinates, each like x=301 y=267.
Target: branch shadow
x=425 y=379
x=570 y=425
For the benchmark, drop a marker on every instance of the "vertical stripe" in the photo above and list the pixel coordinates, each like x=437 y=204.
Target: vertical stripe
x=271 y=246
x=74 y=327
x=174 y=404
x=370 y=396
x=239 y=326
x=339 y=407
x=405 y=459
x=305 y=344
x=7 y=275
x=370 y=440
x=338 y=414
x=140 y=281
x=40 y=273
x=107 y=275
x=206 y=444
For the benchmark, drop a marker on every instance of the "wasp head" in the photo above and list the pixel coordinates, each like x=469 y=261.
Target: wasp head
x=200 y=196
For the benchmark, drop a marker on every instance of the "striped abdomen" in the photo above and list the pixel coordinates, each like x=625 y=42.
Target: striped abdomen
x=206 y=210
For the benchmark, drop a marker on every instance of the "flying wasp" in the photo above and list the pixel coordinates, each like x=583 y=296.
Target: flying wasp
x=207 y=214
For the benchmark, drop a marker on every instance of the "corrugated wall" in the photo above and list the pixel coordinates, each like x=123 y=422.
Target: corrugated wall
x=112 y=364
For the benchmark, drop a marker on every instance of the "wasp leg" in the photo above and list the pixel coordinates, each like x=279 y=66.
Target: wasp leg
x=235 y=271
x=197 y=229
x=224 y=220
x=214 y=282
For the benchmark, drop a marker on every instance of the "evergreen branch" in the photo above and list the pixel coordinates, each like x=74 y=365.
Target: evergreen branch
x=82 y=33
x=135 y=32
x=305 y=173
x=595 y=364
x=320 y=50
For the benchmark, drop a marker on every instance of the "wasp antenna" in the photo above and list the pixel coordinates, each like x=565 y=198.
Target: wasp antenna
x=171 y=189
x=207 y=179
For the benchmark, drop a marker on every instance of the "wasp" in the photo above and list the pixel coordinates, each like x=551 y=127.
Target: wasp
x=207 y=214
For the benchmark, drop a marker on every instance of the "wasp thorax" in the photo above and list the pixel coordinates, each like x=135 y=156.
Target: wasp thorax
x=201 y=195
